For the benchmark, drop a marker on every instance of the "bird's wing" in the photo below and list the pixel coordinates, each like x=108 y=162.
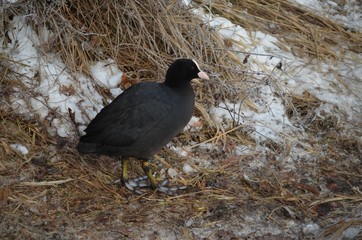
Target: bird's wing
x=131 y=115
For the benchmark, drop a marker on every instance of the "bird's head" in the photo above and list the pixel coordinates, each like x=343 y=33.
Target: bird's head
x=182 y=71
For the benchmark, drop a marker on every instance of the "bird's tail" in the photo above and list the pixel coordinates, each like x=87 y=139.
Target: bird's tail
x=84 y=147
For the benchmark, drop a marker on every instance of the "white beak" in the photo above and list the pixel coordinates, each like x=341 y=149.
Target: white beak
x=203 y=76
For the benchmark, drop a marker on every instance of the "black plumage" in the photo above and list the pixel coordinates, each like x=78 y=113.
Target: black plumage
x=144 y=118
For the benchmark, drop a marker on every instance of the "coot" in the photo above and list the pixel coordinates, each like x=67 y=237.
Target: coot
x=143 y=119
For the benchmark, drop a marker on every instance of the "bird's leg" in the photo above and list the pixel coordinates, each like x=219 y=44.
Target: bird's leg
x=146 y=168
x=124 y=176
x=124 y=170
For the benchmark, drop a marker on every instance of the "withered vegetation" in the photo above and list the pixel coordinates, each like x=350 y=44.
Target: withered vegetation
x=53 y=192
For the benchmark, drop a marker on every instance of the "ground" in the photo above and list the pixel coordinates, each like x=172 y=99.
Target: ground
x=273 y=150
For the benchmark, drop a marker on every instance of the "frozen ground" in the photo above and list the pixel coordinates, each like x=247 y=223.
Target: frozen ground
x=347 y=13
x=337 y=86
x=56 y=93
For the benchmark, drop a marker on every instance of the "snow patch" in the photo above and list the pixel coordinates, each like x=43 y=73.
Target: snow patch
x=194 y=125
x=19 y=148
x=187 y=169
x=57 y=92
x=311 y=228
x=106 y=73
x=347 y=13
x=180 y=151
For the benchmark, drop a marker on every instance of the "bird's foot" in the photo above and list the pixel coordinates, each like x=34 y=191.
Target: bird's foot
x=137 y=184
x=173 y=191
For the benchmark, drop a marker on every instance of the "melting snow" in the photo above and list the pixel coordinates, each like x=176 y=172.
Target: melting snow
x=56 y=91
x=19 y=148
x=351 y=9
x=326 y=81
x=187 y=169
x=106 y=73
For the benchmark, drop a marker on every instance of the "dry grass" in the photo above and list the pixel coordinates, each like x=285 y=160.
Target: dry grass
x=308 y=33
x=143 y=38
x=53 y=192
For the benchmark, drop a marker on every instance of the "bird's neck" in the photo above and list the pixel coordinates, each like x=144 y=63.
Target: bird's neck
x=174 y=84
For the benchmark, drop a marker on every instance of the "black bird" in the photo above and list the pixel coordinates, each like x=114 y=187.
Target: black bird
x=143 y=119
